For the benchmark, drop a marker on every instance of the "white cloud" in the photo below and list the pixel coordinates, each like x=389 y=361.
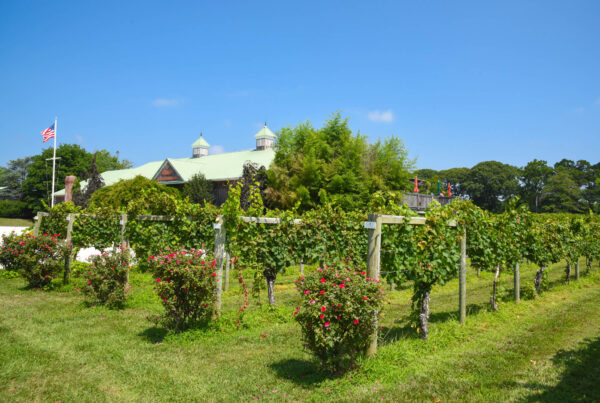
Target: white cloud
x=381 y=116
x=166 y=102
x=216 y=149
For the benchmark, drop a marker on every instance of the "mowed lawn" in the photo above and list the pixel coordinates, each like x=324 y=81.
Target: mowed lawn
x=54 y=347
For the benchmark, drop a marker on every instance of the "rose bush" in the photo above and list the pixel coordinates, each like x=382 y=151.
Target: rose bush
x=38 y=259
x=186 y=283
x=337 y=312
x=107 y=278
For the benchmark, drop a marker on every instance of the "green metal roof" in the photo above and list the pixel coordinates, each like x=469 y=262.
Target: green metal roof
x=200 y=143
x=226 y=166
x=265 y=133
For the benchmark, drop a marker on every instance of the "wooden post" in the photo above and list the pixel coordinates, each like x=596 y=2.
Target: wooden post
x=302 y=267
x=68 y=255
x=227 y=266
x=577 y=270
x=123 y=223
x=517 y=284
x=220 y=236
x=373 y=265
x=462 y=277
x=38 y=223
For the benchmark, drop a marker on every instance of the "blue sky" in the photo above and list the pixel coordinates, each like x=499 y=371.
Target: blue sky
x=460 y=82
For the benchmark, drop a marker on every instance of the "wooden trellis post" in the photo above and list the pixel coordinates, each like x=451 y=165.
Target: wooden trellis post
x=220 y=237
x=517 y=284
x=123 y=223
x=373 y=265
x=227 y=266
x=38 y=223
x=462 y=278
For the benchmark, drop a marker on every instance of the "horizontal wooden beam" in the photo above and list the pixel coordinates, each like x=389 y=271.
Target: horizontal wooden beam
x=266 y=220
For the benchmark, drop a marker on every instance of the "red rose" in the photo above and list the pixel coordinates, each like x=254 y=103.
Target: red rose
x=323 y=280
x=322 y=292
x=321 y=316
x=326 y=324
x=356 y=321
x=323 y=309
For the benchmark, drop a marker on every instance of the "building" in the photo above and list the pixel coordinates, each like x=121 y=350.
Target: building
x=222 y=169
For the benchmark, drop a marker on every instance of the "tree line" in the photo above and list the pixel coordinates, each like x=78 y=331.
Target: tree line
x=566 y=187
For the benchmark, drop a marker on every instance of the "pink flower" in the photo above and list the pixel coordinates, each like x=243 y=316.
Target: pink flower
x=326 y=324
x=312 y=301
x=338 y=317
x=158 y=280
x=164 y=300
x=356 y=321
x=306 y=292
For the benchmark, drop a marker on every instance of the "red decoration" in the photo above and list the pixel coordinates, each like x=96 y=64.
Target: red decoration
x=416 y=189
x=449 y=191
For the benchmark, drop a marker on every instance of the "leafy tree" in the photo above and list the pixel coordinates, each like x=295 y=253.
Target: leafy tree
x=490 y=183
x=562 y=194
x=198 y=189
x=94 y=182
x=13 y=176
x=455 y=177
x=74 y=160
x=139 y=189
x=534 y=177
x=331 y=165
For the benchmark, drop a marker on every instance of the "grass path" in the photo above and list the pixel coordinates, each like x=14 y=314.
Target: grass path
x=53 y=347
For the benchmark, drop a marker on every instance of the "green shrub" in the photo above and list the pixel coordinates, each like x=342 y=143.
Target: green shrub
x=38 y=259
x=337 y=312
x=14 y=209
x=107 y=278
x=7 y=274
x=186 y=283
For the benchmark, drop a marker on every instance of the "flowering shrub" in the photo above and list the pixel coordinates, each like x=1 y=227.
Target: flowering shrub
x=107 y=278
x=38 y=259
x=186 y=283
x=337 y=314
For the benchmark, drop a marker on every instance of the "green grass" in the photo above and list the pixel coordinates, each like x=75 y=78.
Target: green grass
x=15 y=222
x=54 y=347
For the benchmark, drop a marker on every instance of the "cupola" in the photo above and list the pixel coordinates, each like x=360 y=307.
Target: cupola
x=200 y=147
x=264 y=138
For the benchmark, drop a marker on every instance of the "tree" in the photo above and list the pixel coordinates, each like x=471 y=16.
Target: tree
x=534 y=177
x=562 y=194
x=455 y=177
x=198 y=189
x=331 y=165
x=13 y=176
x=81 y=197
x=74 y=160
x=490 y=183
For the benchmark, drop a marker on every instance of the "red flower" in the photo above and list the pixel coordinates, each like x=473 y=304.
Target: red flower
x=89 y=282
x=164 y=300
x=322 y=292
x=356 y=321
x=341 y=285
x=158 y=280
x=363 y=272
x=365 y=298
x=323 y=309
x=323 y=280
x=321 y=316
x=306 y=292
x=326 y=324
x=214 y=274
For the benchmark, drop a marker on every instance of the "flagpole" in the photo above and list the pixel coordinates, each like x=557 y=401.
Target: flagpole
x=53 y=162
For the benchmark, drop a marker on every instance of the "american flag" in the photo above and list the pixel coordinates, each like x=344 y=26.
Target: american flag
x=49 y=133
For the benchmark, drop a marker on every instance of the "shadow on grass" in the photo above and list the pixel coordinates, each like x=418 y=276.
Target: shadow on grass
x=579 y=381
x=154 y=334
x=302 y=372
x=389 y=334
